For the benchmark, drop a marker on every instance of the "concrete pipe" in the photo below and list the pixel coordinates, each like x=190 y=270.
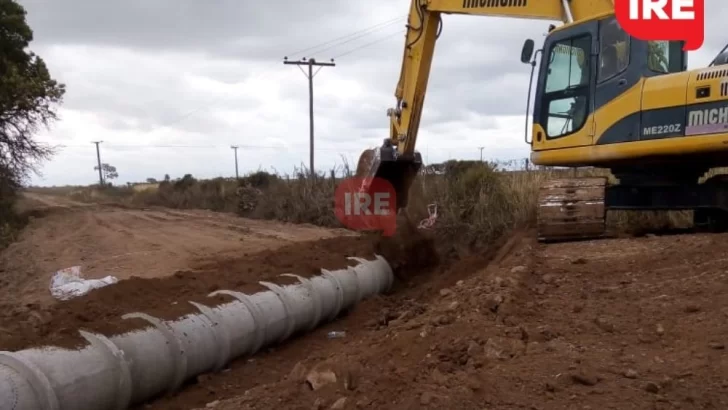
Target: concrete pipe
x=124 y=370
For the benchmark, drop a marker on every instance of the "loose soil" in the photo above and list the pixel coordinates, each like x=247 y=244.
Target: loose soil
x=637 y=323
x=628 y=323
x=165 y=258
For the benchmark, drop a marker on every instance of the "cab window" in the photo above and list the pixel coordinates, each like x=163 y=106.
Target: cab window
x=665 y=56
x=567 y=86
x=614 y=49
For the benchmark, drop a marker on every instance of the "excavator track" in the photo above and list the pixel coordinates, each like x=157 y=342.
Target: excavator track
x=571 y=209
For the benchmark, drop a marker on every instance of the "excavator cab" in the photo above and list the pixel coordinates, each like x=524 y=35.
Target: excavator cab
x=601 y=98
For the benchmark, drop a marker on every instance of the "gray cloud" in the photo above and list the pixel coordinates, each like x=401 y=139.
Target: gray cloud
x=184 y=72
x=171 y=24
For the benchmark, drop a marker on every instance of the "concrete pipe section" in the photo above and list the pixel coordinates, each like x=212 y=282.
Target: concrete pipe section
x=124 y=370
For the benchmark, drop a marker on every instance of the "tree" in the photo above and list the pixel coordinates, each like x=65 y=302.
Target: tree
x=108 y=171
x=28 y=95
x=151 y=180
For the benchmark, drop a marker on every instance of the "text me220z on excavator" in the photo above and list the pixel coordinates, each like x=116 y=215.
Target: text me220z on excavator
x=602 y=99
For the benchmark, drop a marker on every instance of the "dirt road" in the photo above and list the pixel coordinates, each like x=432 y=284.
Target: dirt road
x=162 y=256
x=615 y=324
x=636 y=323
x=151 y=243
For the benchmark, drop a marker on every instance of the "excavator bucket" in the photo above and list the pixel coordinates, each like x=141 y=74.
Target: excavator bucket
x=385 y=163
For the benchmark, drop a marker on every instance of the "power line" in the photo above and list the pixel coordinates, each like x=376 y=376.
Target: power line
x=112 y=145
x=361 y=33
x=235 y=148
x=370 y=30
x=352 y=39
x=310 y=63
x=345 y=150
x=98 y=158
x=331 y=44
x=142 y=146
x=387 y=37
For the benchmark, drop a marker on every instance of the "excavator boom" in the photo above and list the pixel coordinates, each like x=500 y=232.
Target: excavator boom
x=604 y=99
x=396 y=160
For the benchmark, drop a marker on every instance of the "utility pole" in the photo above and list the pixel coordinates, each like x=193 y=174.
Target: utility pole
x=310 y=63
x=98 y=159
x=481 y=153
x=235 y=148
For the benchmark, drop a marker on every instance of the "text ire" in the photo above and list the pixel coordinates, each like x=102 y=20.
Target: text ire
x=679 y=10
x=359 y=203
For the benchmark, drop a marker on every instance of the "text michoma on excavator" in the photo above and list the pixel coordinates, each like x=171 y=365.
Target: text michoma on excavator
x=604 y=97
x=664 y=20
x=494 y=3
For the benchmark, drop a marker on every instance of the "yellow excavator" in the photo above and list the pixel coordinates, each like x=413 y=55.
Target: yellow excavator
x=603 y=99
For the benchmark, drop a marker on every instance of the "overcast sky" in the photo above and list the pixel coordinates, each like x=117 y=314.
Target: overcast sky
x=170 y=85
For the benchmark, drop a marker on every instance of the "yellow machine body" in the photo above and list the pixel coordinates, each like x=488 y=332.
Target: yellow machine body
x=662 y=118
x=602 y=99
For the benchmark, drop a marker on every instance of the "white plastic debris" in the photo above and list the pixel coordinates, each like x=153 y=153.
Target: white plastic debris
x=336 y=335
x=68 y=283
x=429 y=222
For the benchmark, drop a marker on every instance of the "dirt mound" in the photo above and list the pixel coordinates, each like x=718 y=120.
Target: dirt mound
x=410 y=251
x=377 y=362
x=616 y=324
x=305 y=258
x=101 y=309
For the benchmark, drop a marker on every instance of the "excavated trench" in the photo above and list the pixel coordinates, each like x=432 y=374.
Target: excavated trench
x=657 y=301
x=125 y=344
x=28 y=325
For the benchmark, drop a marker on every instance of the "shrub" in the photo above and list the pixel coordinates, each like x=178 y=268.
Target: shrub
x=476 y=202
x=10 y=220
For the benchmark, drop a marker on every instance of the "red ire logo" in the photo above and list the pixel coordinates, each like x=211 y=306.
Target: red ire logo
x=664 y=20
x=370 y=209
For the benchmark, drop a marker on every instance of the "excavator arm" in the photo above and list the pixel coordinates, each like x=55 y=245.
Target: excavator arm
x=396 y=160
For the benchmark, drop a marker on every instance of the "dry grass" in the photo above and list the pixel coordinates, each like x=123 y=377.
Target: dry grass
x=476 y=202
x=298 y=199
x=12 y=219
x=11 y=223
